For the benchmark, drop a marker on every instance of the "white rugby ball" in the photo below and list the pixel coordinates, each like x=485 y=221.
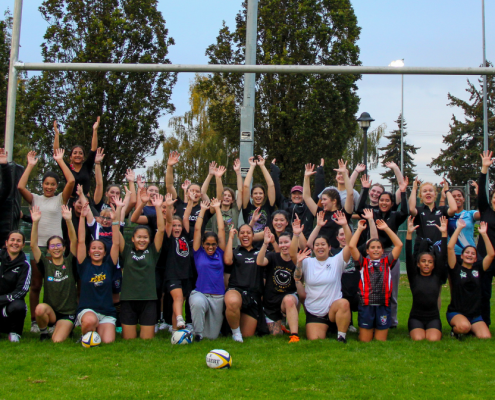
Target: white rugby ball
x=218 y=359
x=182 y=336
x=91 y=339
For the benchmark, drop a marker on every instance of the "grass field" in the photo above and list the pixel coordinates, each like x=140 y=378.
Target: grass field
x=265 y=367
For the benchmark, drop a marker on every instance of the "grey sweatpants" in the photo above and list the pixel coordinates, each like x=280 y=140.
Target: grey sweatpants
x=206 y=313
x=395 y=293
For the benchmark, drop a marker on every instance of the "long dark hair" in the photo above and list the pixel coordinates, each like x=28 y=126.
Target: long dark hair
x=333 y=194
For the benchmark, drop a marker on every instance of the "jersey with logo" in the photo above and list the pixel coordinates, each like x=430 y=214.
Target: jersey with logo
x=279 y=280
x=466 y=290
x=178 y=264
x=375 y=286
x=245 y=273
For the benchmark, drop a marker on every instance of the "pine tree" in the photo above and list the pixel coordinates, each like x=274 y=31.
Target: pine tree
x=392 y=153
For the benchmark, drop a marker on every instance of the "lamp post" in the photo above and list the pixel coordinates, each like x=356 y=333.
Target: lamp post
x=364 y=121
x=400 y=63
x=485 y=106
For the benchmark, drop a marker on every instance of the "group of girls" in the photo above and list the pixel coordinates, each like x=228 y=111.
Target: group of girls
x=245 y=277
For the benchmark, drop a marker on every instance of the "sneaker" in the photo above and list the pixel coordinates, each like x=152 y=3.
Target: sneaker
x=171 y=328
x=284 y=329
x=457 y=336
x=237 y=337
x=34 y=327
x=294 y=339
x=44 y=336
x=156 y=328
x=342 y=339
x=189 y=327
x=14 y=337
x=181 y=324
x=51 y=329
x=162 y=325
x=118 y=330
x=352 y=329
x=198 y=338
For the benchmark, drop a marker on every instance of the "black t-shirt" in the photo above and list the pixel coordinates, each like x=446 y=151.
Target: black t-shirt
x=83 y=177
x=178 y=264
x=180 y=207
x=486 y=214
x=266 y=211
x=162 y=260
x=331 y=228
x=245 y=273
x=427 y=220
x=279 y=280
x=466 y=290
x=351 y=277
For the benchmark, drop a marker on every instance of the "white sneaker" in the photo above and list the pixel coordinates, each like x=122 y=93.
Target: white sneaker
x=352 y=329
x=171 y=328
x=14 y=337
x=237 y=337
x=156 y=328
x=189 y=327
x=34 y=327
x=181 y=324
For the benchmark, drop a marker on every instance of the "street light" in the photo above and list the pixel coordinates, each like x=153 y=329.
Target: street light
x=398 y=64
x=364 y=121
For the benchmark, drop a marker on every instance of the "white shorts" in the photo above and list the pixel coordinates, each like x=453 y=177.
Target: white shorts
x=102 y=319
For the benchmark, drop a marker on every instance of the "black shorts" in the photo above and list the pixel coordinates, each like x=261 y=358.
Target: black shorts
x=142 y=312
x=313 y=319
x=274 y=312
x=251 y=303
x=425 y=324
x=117 y=281
x=67 y=317
x=184 y=284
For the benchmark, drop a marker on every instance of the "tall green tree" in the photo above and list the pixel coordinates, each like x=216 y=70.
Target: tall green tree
x=103 y=31
x=392 y=153
x=354 y=152
x=299 y=118
x=460 y=160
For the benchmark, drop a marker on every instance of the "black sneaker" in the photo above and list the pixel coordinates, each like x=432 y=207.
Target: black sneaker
x=44 y=336
x=198 y=338
x=454 y=335
x=341 y=339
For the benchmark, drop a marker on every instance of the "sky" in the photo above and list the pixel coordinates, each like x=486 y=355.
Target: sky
x=425 y=33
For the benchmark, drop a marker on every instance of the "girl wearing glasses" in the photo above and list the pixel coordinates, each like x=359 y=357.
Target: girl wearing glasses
x=207 y=299
x=60 y=277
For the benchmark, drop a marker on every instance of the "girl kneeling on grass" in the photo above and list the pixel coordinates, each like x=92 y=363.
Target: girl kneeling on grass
x=138 y=286
x=374 y=316
x=425 y=274
x=464 y=311
x=207 y=299
x=322 y=276
x=96 y=311
x=60 y=277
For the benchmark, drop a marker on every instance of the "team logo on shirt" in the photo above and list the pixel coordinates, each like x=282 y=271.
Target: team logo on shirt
x=475 y=273
x=141 y=257
x=430 y=223
x=249 y=260
x=281 y=278
x=98 y=279
x=463 y=274
x=182 y=248
x=15 y=270
x=383 y=319
x=438 y=212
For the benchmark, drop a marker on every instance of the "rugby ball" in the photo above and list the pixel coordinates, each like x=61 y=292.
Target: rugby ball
x=91 y=339
x=182 y=336
x=218 y=359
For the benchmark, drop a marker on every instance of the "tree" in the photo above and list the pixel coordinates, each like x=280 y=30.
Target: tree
x=103 y=31
x=354 y=152
x=299 y=118
x=392 y=153
x=460 y=161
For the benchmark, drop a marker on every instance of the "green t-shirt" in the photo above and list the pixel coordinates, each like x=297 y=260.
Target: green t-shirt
x=230 y=220
x=138 y=276
x=60 y=291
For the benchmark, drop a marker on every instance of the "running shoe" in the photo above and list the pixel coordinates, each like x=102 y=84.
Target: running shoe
x=156 y=328
x=352 y=329
x=162 y=325
x=237 y=337
x=14 y=337
x=342 y=339
x=294 y=339
x=284 y=329
x=34 y=327
x=181 y=324
x=118 y=330
x=51 y=329
x=44 y=336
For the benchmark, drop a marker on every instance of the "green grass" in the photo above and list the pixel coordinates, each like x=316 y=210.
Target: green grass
x=265 y=367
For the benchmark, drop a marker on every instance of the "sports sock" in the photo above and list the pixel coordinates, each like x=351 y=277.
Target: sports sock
x=294 y=334
x=236 y=330
x=44 y=330
x=341 y=334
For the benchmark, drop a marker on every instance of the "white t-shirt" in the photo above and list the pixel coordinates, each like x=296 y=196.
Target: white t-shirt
x=322 y=283
x=51 y=217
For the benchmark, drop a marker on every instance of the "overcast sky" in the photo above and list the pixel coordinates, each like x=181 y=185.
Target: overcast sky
x=443 y=33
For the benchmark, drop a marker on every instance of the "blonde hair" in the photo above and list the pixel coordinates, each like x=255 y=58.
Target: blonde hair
x=423 y=185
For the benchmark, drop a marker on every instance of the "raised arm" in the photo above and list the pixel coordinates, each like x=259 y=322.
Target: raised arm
x=440 y=265
x=169 y=201
x=320 y=222
x=269 y=181
x=98 y=176
x=365 y=186
x=404 y=209
x=353 y=243
x=7 y=183
x=246 y=191
x=94 y=139
x=199 y=223
x=450 y=199
x=228 y=255
x=349 y=201
x=131 y=177
x=211 y=173
x=218 y=181
x=412 y=198
x=275 y=174
x=216 y=204
x=173 y=159
x=490 y=252
x=410 y=263
x=67 y=216
x=381 y=225
x=301 y=256
x=398 y=175
x=69 y=187
x=117 y=246
x=157 y=202
x=240 y=184
x=359 y=168
x=21 y=186
x=81 y=234
x=187 y=213
x=56 y=139
x=319 y=180
x=137 y=216
x=297 y=234
x=261 y=260
x=341 y=220
x=486 y=162
x=89 y=217
x=309 y=170
x=369 y=217
x=35 y=216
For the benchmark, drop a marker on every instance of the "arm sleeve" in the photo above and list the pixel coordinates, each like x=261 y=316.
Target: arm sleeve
x=404 y=210
x=362 y=201
x=410 y=267
x=483 y=204
x=6 y=187
x=90 y=162
x=319 y=183
x=22 y=287
x=279 y=199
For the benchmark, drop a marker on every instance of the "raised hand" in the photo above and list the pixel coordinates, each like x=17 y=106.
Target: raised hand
x=274 y=161
x=340 y=219
x=320 y=219
x=58 y=156
x=143 y=193
x=186 y=184
x=232 y=233
x=96 y=124
x=252 y=161
x=486 y=158
x=342 y=167
x=360 y=168
x=416 y=183
x=79 y=190
x=237 y=165
x=169 y=200
x=66 y=213
x=261 y=161
x=55 y=127
x=140 y=182
x=361 y=225
x=381 y=224
x=483 y=228
x=461 y=223
x=215 y=203
x=445 y=184
x=410 y=224
x=322 y=162
x=99 y=155
x=130 y=175
x=118 y=201
x=297 y=228
x=173 y=158
x=443 y=224
x=303 y=254
x=475 y=185
x=404 y=184
x=157 y=201
x=35 y=213
x=205 y=205
x=367 y=214
x=268 y=236
x=391 y=165
x=365 y=183
x=309 y=170
x=256 y=215
x=220 y=171
x=85 y=209
x=212 y=168
x=3 y=156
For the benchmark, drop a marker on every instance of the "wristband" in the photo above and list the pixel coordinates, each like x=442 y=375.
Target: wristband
x=447 y=191
x=116 y=223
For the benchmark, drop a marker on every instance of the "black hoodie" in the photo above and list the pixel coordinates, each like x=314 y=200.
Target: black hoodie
x=15 y=277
